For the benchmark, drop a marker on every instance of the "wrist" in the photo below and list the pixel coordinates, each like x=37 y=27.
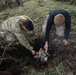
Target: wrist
x=33 y=52
x=65 y=40
x=46 y=42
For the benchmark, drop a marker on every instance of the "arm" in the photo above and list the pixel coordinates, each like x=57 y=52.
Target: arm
x=23 y=41
x=47 y=32
x=48 y=28
x=67 y=27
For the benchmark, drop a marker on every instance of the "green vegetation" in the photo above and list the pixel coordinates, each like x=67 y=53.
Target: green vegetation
x=37 y=11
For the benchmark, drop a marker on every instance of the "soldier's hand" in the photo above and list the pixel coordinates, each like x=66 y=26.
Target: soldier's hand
x=46 y=46
x=33 y=52
x=65 y=42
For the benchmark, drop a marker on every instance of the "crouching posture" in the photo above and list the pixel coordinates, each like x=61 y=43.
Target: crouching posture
x=62 y=21
x=20 y=29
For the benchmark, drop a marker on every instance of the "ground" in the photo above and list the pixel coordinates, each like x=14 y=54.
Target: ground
x=63 y=59
x=16 y=59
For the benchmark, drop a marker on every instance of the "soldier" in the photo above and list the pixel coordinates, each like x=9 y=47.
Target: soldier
x=62 y=21
x=19 y=28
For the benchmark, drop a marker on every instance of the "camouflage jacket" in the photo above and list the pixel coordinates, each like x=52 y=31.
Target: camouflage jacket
x=12 y=26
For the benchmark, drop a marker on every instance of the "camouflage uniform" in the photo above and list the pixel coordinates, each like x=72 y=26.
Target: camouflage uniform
x=11 y=26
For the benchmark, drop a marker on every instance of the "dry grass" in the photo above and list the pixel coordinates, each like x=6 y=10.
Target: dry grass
x=37 y=12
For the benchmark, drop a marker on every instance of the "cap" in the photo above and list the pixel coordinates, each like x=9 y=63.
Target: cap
x=28 y=24
x=59 y=19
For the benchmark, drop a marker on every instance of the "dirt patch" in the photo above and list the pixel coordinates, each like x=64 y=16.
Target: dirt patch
x=15 y=59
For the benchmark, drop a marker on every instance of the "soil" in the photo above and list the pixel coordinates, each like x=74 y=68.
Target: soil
x=14 y=57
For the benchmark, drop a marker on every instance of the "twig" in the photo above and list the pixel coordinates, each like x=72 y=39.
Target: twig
x=57 y=70
x=5 y=48
x=1 y=59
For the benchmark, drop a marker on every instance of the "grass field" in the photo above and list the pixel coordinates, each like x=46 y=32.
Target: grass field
x=37 y=12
